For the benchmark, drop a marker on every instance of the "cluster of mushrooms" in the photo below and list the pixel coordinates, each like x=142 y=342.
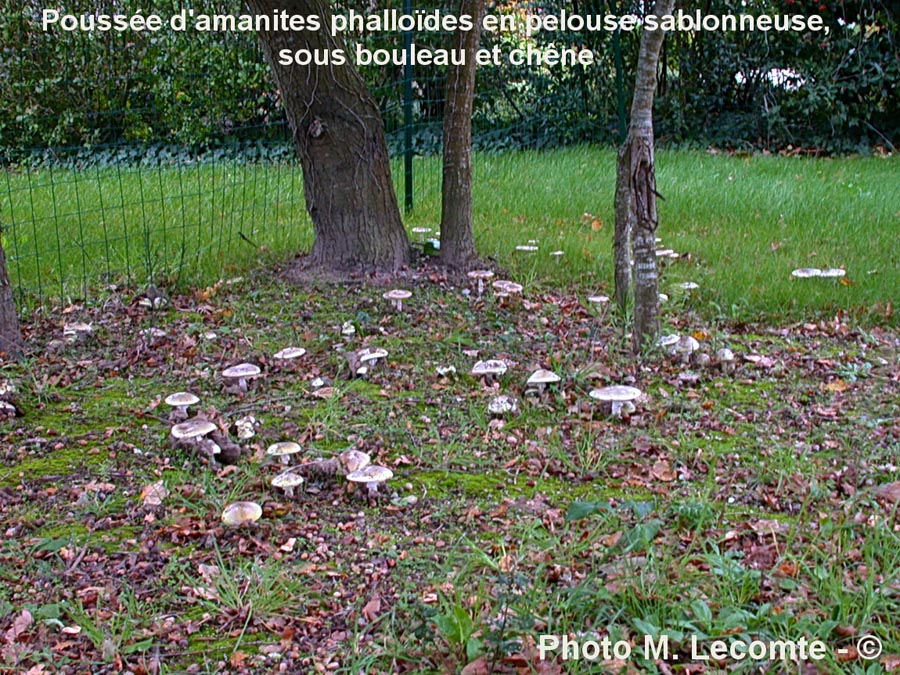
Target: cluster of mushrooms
x=354 y=465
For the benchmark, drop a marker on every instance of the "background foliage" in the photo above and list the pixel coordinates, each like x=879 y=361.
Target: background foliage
x=197 y=92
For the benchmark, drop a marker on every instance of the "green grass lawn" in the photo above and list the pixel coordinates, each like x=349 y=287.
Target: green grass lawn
x=741 y=224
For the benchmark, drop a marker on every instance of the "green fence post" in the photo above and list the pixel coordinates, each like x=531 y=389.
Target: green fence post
x=407 y=113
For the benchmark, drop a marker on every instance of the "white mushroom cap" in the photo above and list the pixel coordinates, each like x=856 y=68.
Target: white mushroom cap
x=480 y=274
x=371 y=474
x=182 y=398
x=725 y=354
x=619 y=392
x=834 y=273
x=686 y=344
x=77 y=327
x=542 y=376
x=290 y=353
x=666 y=253
x=397 y=294
x=241 y=371
x=347 y=328
x=663 y=297
x=806 y=273
x=556 y=254
x=688 y=286
x=283 y=448
x=598 y=299
x=354 y=460
x=668 y=340
x=507 y=286
x=371 y=354
x=287 y=479
x=503 y=404
x=529 y=247
x=193 y=428
x=239 y=513
x=492 y=367
x=420 y=230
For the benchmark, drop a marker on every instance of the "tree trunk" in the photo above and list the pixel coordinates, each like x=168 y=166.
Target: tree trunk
x=457 y=233
x=339 y=136
x=11 y=344
x=636 y=215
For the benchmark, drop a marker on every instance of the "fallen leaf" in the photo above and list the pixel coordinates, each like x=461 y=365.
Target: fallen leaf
x=480 y=666
x=154 y=493
x=371 y=609
x=21 y=624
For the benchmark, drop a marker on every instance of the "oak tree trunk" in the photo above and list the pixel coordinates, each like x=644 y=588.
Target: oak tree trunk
x=457 y=232
x=636 y=215
x=11 y=344
x=339 y=136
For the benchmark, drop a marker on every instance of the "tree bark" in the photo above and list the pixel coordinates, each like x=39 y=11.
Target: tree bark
x=339 y=136
x=11 y=344
x=457 y=232
x=636 y=215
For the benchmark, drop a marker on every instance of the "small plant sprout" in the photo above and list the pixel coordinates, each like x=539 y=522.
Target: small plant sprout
x=480 y=276
x=283 y=451
x=489 y=371
x=541 y=378
x=503 y=405
x=725 y=358
x=241 y=513
x=240 y=374
x=397 y=296
x=288 y=356
x=619 y=398
x=806 y=273
x=287 y=481
x=180 y=402
x=373 y=476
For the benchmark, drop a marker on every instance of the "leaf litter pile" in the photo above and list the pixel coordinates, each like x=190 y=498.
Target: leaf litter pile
x=754 y=499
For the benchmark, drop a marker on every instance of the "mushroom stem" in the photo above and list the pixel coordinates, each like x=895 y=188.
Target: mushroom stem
x=480 y=287
x=289 y=492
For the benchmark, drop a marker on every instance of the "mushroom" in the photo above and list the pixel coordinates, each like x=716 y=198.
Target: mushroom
x=685 y=346
x=239 y=513
x=180 y=402
x=834 y=273
x=503 y=405
x=529 y=248
x=619 y=397
x=373 y=476
x=241 y=373
x=688 y=286
x=245 y=427
x=541 y=378
x=288 y=354
x=663 y=298
x=397 y=296
x=193 y=434
x=503 y=289
x=347 y=328
x=287 y=481
x=369 y=358
x=558 y=255
x=667 y=341
x=353 y=460
x=283 y=450
x=421 y=231
x=726 y=359
x=806 y=273
x=601 y=302
x=480 y=276
x=489 y=370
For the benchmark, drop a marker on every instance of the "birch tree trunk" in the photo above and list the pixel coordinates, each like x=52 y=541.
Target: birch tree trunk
x=339 y=136
x=457 y=232
x=636 y=215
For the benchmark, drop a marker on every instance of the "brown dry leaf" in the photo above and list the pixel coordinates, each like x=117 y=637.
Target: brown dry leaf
x=36 y=670
x=836 y=386
x=154 y=493
x=237 y=659
x=890 y=662
x=848 y=653
x=662 y=471
x=324 y=392
x=21 y=624
x=889 y=492
x=480 y=666
x=372 y=608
